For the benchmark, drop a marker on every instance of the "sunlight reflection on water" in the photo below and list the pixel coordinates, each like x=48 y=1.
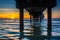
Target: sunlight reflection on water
x=10 y=29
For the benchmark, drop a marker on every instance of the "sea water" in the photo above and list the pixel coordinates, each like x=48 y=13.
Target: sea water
x=9 y=28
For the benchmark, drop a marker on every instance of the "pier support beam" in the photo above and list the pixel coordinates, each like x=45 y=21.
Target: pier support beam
x=21 y=23
x=49 y=28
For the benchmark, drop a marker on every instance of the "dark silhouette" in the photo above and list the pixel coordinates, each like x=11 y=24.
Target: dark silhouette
x=35 y=8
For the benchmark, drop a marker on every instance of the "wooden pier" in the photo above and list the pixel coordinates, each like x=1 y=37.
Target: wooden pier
x=35 y=9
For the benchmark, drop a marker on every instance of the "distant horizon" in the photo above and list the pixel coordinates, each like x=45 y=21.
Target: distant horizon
x=24 y=18
x=14 y=13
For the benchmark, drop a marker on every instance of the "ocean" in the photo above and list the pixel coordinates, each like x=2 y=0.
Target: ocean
x=9 y=28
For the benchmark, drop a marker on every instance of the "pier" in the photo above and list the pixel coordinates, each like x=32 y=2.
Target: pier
x=36 y=9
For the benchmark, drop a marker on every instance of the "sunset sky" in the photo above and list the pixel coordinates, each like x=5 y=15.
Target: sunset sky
x=8 y=10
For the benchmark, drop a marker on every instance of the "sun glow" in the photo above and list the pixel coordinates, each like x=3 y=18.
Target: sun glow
x=12 y=17
x=12 y=14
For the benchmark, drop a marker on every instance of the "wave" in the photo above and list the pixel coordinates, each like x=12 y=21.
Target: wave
x=11 y=30
x=10 y=23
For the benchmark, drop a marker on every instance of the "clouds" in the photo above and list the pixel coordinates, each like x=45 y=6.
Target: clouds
x=9 y=13
x=2 y=10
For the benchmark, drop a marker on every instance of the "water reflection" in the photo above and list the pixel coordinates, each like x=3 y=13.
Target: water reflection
x=10 y=30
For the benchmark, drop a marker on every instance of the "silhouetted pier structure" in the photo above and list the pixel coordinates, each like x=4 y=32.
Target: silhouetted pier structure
x=35 y=9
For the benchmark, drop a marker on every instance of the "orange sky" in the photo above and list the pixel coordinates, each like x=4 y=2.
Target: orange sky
x=55 y=14
x=6 y=13
x=13 y=15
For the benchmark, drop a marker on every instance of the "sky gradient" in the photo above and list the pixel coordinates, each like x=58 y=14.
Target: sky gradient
x=8 y=10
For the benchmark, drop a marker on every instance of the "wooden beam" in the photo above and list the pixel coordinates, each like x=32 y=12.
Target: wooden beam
x=49 y=25
x=21 y=23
